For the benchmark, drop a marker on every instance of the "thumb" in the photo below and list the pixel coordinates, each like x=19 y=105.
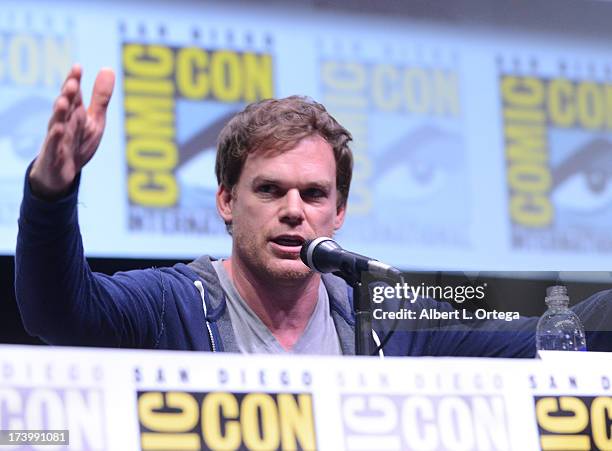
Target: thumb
x=101 y=95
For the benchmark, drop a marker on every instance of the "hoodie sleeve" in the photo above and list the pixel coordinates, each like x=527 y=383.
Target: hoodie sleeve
x=471 y=337
x=61 y=300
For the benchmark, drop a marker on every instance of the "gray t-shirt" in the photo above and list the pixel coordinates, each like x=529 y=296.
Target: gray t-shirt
x=253 y=336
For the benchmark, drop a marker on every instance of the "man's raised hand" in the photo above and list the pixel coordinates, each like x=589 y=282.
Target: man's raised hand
x=73 y=134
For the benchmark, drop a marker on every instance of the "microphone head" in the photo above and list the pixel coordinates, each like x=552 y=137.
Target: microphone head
x=310 y=246
x=304 y=252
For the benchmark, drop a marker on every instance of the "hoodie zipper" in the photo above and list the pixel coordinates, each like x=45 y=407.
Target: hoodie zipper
x=200 y=288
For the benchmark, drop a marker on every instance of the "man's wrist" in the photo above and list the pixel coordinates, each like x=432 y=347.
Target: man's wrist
x=41 y=191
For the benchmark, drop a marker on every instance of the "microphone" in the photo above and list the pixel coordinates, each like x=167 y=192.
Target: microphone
x=325 y=255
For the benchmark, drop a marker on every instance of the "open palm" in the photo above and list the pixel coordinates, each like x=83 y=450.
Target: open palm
x=73 y=134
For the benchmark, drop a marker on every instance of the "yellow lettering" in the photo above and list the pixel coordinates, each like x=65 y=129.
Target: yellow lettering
x=150 y=116
x=591 y=108
x=259 y=408
x=152 y=189
x=148 y=61
x=191 y=78
x=155 y=87
x=151 y=154
x=226 y=76
x=529 y=178
x=526 y=142
x=524 y=115
x=601 y=415
x=297 y=423
x=532 y=211
x=257 y=77
x=184 y=420
x=226 y=404
x=561 y=103
x=567 y=424
x=151 y=441
x=565 y=443
x=526 y=92
x=526 y=150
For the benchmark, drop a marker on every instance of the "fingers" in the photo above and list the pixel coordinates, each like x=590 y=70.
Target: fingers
x=60 y=111
x=77 y=100
x=69 y=98
x=54 y=169
x=72 y=133
x=74 y=74
x=101 y=95
x=55 y=135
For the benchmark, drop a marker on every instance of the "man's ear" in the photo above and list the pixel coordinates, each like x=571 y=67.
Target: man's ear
x=224 y=203
x=339 y=220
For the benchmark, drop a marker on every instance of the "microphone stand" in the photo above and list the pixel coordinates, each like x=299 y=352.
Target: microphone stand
x=363 y=321
x=362 y=306
x=352 y=268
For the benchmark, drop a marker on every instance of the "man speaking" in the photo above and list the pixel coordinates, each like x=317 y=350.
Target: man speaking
x=283 y=169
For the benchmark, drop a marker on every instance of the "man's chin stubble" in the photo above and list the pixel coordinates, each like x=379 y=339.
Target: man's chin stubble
x=289 y=274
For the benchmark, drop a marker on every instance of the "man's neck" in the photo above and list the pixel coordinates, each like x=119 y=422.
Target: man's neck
x=285 y=308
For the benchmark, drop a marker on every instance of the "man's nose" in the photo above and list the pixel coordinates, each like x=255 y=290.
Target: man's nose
x=293 y=207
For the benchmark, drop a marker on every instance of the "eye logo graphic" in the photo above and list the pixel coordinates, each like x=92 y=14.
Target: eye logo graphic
x=583 y=181
x=419 y=165
x=408 y=144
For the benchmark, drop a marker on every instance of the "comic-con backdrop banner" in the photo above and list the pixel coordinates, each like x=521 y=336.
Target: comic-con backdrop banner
x=176 y=101
x=471 y=152
x=558 y=153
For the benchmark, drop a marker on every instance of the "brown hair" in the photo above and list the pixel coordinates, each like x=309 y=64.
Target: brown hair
x=281 y=124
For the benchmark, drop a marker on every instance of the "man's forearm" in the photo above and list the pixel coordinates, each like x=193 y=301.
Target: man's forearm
x=50 y=271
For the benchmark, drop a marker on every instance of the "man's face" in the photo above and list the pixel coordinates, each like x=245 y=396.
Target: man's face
x=282 y=199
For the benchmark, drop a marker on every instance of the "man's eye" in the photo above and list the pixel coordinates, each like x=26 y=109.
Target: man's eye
x=267 y=189
x=314 y=193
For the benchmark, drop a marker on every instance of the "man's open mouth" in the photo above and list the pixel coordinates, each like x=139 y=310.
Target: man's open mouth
x=289 y=240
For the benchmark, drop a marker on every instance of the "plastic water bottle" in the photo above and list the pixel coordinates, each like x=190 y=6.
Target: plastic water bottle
x=559 y=329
